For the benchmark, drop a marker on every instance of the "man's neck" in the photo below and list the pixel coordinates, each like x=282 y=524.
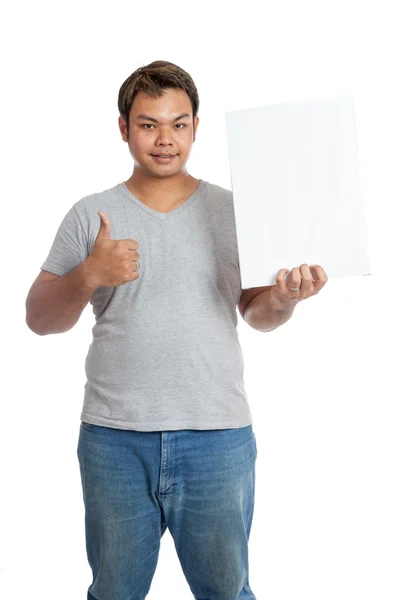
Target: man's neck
x=165 y=194
x=159 y=187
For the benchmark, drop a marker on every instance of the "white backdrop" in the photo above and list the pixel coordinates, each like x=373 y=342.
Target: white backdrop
x=323 y=388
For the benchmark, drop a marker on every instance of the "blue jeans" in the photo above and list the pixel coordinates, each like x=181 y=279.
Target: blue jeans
x=198 y=483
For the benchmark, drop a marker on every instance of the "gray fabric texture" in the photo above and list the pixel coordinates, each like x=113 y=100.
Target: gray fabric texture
x=165 y=353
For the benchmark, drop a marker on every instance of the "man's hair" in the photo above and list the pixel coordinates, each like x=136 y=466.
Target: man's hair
x=153 y=79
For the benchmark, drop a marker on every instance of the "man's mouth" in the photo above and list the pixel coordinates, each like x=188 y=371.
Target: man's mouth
x=164 y=155
x=163 y=158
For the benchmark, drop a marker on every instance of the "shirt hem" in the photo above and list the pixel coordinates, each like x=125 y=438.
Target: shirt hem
x=167 y=426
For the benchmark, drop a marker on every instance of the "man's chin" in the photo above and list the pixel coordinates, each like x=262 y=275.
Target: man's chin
x=161 y=171
x=165 y=170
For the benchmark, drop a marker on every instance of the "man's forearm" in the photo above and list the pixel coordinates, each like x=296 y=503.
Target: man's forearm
x=265 y=313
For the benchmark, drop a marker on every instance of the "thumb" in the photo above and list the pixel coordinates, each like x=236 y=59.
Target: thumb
x=104 y=231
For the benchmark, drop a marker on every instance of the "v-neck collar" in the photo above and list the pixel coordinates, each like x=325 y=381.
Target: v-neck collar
x=156 y=213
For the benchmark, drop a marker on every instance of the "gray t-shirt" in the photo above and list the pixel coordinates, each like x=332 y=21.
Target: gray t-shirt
x=165 y=353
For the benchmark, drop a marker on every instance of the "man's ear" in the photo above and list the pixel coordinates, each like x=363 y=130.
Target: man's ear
x=196 y=122
x=122 y=128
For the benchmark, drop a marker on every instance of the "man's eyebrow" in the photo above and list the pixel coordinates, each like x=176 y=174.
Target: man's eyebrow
x=147 y=118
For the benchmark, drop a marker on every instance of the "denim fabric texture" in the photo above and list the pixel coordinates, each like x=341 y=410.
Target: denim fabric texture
x=199 y=484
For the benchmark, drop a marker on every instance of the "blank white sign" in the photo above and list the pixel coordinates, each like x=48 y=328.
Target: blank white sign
x=294 y=177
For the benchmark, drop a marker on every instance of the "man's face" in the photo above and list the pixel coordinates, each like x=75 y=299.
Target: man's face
x=166 y=134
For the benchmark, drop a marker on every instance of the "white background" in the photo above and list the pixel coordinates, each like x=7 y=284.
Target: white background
x=323 y=388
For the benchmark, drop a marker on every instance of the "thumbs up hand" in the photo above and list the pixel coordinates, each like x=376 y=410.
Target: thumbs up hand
x=112 y=262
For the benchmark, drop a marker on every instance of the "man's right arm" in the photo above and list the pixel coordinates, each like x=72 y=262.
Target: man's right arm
x=55 y=306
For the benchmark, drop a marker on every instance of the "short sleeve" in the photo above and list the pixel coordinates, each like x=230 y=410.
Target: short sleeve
x=69 y=248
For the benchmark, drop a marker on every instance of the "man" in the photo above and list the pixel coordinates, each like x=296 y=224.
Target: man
x=166 y=438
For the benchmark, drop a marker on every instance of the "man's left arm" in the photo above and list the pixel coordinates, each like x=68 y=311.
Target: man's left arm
x=275 y=305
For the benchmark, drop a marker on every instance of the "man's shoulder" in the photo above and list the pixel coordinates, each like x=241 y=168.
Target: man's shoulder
x=218 y=194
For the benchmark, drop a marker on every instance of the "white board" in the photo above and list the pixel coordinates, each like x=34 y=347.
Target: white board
x=295 y=184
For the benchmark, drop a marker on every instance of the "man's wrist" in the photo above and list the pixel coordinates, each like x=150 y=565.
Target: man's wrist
x=90 y=276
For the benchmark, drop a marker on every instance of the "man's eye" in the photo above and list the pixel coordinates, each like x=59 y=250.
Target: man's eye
x=149 y=125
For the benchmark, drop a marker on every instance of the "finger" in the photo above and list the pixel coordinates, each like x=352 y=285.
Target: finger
x=294 y=279
x=280 y=281
x=307 y=287
x=319 y=275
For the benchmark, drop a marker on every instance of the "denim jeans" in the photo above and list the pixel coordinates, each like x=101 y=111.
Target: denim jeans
x=198 y=483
